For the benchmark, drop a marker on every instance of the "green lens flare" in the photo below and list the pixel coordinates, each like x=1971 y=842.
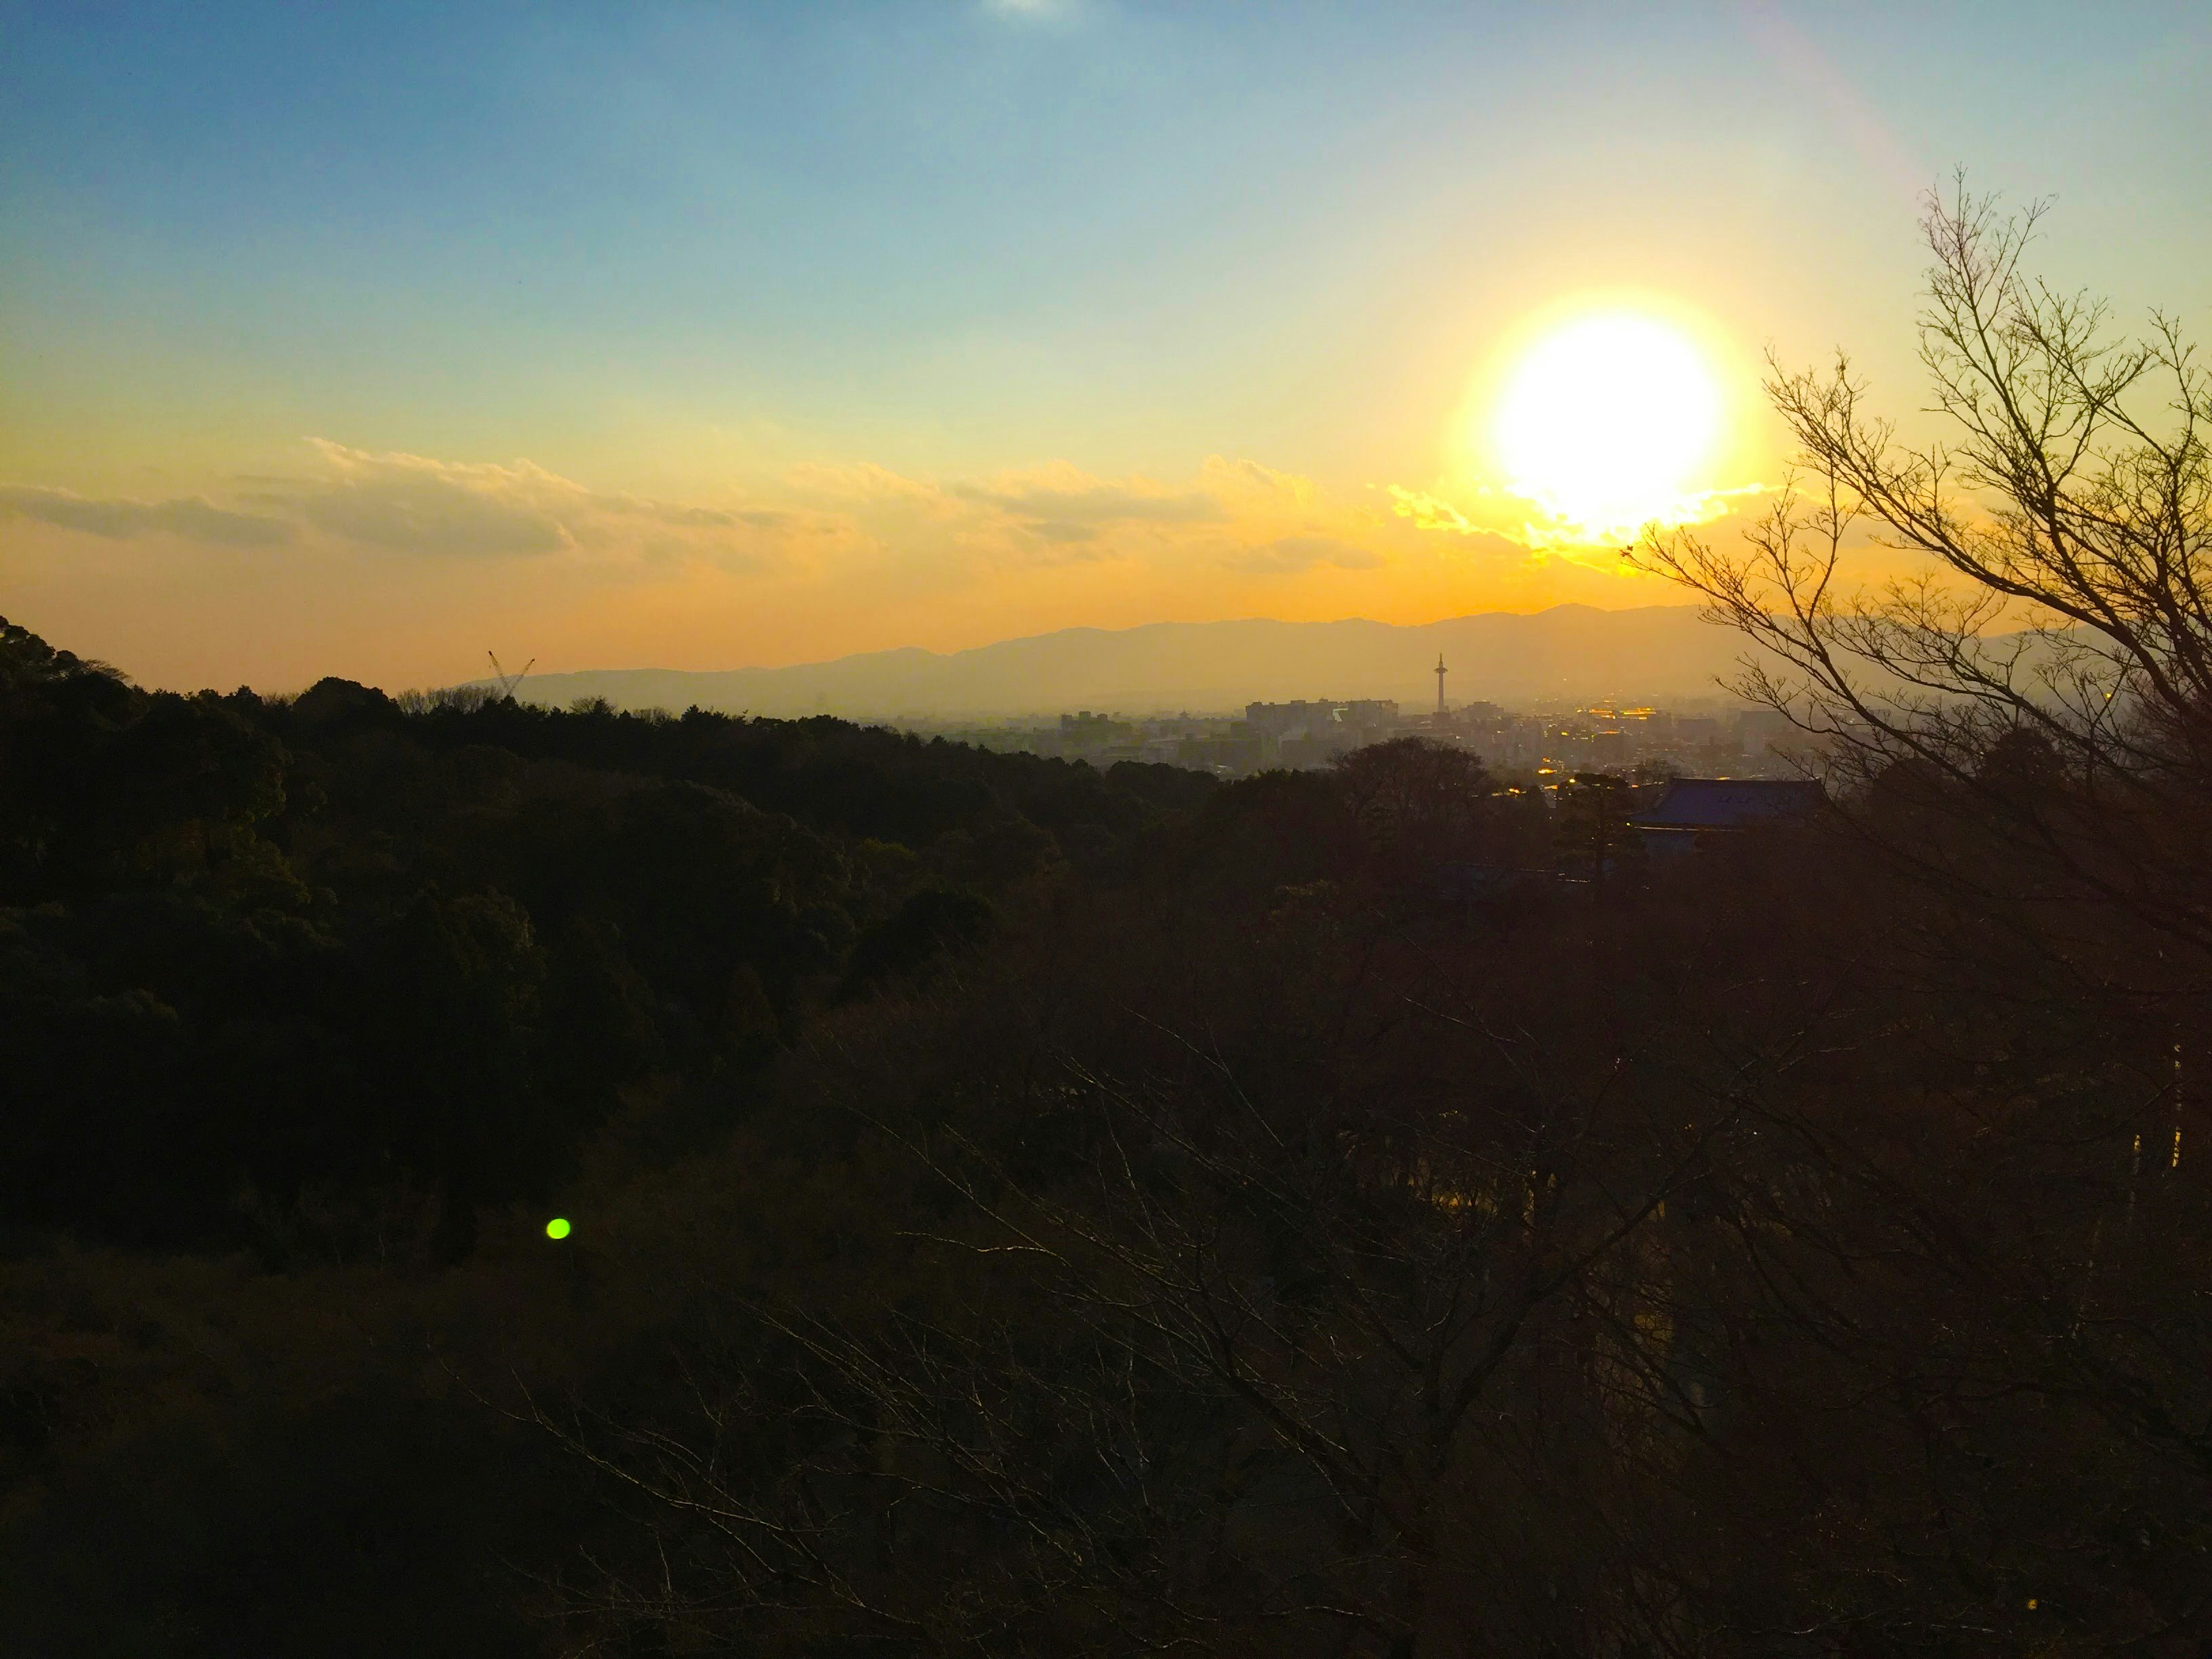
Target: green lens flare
x=556 y=1228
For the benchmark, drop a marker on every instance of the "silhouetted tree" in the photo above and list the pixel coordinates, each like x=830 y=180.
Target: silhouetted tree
x=2065 y=522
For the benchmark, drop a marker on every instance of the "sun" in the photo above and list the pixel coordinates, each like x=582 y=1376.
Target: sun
x=1606 y=423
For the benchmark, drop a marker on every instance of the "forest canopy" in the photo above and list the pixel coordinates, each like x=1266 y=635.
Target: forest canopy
x=264 y=957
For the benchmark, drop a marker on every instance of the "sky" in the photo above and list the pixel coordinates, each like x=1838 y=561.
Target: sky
x=362 y=340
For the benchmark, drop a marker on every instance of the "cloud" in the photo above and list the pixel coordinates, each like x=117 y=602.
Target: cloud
x=188 y=517
x=1097 y=504
x=1251 y=482
x=441 y=507
x=1541 y=530
x=1056 y=513
x=1287 y=556
x=1060 y=531
x=417 y=504
x=1231 y=515
x=1427 y=512
x=866 y=482
x=1063 y=513
x=473 y=510
x=703 y=518
x=858 y=525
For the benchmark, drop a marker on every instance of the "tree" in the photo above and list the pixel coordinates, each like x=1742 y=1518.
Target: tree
x=2064 y=522
x=1274 y=1273
x=1594 y=809
x=1412 y=804
x=2023 y=731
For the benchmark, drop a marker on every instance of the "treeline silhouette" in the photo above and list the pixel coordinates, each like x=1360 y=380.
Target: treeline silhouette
x=1025 y=1210
x=297 y=994
x=268 y=960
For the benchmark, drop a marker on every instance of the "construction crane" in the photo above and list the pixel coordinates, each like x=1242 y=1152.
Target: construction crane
x=508 y=682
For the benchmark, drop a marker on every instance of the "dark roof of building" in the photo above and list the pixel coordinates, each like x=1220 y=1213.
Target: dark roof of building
x=1732 y=803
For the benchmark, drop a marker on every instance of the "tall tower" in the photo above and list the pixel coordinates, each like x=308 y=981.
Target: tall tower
x=1441 y=671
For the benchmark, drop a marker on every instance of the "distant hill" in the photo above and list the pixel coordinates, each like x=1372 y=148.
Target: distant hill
x=1656 y=653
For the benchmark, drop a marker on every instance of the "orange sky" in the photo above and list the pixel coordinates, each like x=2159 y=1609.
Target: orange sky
x=700 y=338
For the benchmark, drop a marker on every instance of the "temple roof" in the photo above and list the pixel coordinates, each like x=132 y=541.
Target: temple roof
x=1731 y=803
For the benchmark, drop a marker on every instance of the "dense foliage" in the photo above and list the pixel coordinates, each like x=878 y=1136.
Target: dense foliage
x=268 y=965
x=1771 y=1253
x=1023 y=1210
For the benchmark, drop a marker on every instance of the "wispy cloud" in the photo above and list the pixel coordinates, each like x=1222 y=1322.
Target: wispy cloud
x=118 y=520
x=446 y=508
x=853 y=532
x=1235 y=515
x=1076 y=516
x=839 y=555
x=421 y=507
x=1052 y=510
x=1541 y=530
x=1289 y=556
x=1429 y=511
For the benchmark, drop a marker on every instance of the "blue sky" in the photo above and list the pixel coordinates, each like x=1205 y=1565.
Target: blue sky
x=761 y=260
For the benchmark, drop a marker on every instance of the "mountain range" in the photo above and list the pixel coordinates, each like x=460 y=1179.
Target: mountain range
x=1570 y=652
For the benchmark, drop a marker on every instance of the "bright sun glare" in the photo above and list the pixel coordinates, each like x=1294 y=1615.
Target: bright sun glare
x=1606 y=423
